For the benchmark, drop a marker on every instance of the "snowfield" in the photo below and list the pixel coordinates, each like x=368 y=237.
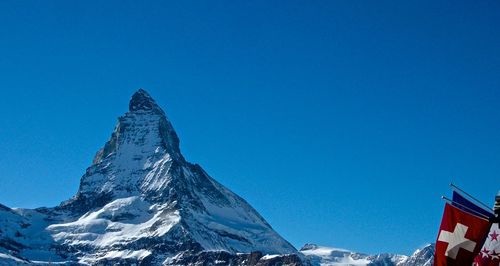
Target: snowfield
x=327 y=256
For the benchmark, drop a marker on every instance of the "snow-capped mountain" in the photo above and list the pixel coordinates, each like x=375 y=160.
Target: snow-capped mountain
x=326 y=256
x=141 y=202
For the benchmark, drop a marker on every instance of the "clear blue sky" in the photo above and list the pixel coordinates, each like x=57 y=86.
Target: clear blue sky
x=342 y=122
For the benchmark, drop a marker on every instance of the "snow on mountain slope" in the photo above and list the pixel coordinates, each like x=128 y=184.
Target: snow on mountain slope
x=331 y=256
x=11 y=225
x=23 y=234
x=141 y=201
x=422 y=257
x=117 y=223
x=326 y=256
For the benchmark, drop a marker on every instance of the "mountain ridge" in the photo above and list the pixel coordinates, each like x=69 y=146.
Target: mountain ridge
x=327 y=256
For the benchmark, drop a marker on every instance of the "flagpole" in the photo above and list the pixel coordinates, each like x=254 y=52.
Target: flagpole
x=496 y=208
x=465 y=207
x=470 y=196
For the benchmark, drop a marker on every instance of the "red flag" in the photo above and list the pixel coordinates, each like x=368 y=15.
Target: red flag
x=461 y=236
x=490 y=253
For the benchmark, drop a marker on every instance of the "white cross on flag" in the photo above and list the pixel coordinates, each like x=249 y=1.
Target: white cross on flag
x=461 y=235
x=490 y=252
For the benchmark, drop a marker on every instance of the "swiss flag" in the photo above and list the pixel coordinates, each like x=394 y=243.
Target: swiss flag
x=461 y=236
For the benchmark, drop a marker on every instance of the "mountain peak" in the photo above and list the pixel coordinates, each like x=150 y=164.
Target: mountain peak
x=141 y=100
x=141 y=131
x=141 y=202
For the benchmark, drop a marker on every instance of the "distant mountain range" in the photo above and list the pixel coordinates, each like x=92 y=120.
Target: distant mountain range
x=323 y=256
x=140 y=202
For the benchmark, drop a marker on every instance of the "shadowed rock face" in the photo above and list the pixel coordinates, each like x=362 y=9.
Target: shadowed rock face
x=140 y=201
x=141 y=100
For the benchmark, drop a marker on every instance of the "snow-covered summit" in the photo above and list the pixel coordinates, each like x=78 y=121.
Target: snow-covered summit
x=136 y=160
